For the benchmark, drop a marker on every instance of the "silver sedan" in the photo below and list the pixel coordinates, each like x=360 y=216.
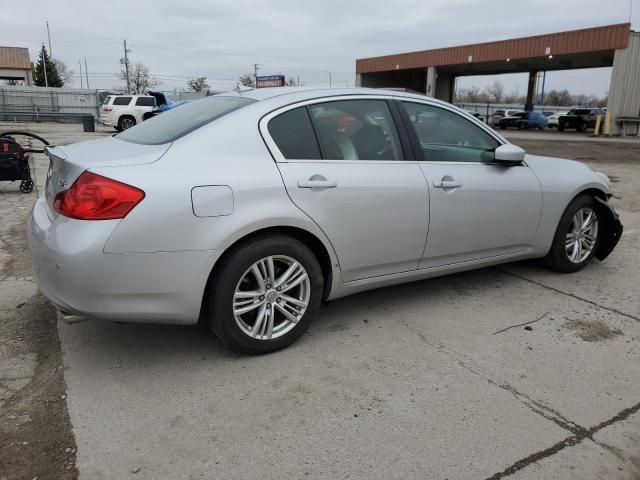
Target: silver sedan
x=247 y=210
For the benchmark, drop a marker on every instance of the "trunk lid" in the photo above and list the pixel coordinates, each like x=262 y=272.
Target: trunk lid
x=67 y=162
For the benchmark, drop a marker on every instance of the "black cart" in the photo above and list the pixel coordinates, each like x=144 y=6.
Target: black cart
x=14 y=159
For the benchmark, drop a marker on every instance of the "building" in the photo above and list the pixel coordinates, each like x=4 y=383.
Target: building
x=434 y=71
x=15 y=64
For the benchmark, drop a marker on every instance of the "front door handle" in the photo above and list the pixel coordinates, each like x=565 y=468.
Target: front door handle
x=447 y=184
x=317 y=184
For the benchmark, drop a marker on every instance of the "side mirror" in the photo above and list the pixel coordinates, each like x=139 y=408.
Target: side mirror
x=509 y=154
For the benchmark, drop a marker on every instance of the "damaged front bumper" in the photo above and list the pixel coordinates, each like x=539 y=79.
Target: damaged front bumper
x=612 y=230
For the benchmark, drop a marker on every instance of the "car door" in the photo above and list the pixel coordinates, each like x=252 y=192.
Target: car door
x=142 y=106
x=343 y=164
x=478 y=209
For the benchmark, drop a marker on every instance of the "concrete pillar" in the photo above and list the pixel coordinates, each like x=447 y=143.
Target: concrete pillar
x=531 y=91
x=358 y=79
x=432 y=79
x=624 y=90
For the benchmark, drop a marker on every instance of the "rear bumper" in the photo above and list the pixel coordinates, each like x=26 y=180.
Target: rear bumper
x=75 y=274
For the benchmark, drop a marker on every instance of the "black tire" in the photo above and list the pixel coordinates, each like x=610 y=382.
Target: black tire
x=580 y=127
x=125 y=122
x=26 y=186
x=561 y=127
x=229 y=272
x=557 y=258
x=521 y=126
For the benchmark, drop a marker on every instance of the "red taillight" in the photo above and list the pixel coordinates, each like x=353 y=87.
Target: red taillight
x=106 y=109
x=94 y=197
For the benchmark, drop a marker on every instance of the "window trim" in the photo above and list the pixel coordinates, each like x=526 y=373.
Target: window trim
x=277 y=154
x=415 y=141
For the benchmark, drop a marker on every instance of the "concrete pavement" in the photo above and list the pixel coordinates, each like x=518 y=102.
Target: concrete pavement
x=510 y=371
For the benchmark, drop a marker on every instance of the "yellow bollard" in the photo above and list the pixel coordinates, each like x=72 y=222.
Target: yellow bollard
x=607 y=124
x=596 y=130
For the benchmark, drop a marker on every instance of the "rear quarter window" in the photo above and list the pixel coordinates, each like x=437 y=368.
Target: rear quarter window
x=179 y=121
x=145 y=102
x=293 y=133
x=121 y=101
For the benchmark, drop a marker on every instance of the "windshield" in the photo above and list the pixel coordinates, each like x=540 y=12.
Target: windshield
x=173 y=124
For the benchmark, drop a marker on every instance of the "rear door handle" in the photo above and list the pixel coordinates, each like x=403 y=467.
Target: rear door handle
x=317 y=184
x=447 y=184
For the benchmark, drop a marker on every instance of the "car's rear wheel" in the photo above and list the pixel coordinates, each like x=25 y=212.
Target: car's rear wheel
x=125 y=122
x=580 y=127
x=577 y=236
x=561 y=126
x=264 y=294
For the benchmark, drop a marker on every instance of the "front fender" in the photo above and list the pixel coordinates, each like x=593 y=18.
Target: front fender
x=612 y=230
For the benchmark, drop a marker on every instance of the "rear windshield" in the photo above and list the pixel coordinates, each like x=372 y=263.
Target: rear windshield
x=177 y=122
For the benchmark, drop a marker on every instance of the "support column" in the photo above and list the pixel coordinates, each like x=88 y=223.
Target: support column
x=358 y=79
x=531 y=91
x=432 y=78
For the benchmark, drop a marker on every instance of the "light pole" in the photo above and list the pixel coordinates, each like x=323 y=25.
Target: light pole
x=328 y=73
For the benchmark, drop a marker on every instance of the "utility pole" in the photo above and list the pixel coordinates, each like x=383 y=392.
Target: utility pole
x=49 y=36
x=328 y=73
x=125 y=61
x=81 y=84
x=255 y=73
x=298 y=84
x=86 y=72
x=44 y=61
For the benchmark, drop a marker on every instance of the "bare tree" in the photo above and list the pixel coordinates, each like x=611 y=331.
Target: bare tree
x=65 y=74
x=198 y=84
x=247 y=80
x=496 y=91
x=140 y=79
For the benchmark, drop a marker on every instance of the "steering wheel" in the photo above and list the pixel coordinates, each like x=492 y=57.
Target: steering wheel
x=27 y=134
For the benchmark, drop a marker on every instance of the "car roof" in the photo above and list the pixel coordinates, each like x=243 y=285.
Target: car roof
x=286 y=95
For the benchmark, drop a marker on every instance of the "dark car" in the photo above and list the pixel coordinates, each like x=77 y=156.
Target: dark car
x=524 y=120
x=580 y=119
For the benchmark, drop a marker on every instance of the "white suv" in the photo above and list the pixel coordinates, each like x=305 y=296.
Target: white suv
x=125 y=111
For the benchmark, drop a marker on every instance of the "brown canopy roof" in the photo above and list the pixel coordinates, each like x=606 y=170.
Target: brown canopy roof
x=15 y=58
x=609 y=37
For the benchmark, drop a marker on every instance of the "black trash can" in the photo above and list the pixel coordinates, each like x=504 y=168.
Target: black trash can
x=88 y=123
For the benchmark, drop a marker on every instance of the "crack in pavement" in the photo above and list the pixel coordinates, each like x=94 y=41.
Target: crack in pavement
x=557 y=290
x=579 y=433
x=472 y=366
x=567 y=442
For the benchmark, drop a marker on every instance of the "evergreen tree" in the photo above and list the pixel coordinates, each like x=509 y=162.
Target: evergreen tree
x=52 y=79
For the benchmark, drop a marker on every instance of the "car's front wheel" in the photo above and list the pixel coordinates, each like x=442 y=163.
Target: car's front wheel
x=577 y=236
x=264 y=294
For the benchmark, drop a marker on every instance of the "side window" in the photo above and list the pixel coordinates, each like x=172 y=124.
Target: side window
x=121 y=101
x=448 y=137
x=145 y=102
x=293 y=133
x=356 y=130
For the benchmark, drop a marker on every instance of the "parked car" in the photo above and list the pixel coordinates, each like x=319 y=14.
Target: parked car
x=162 y=104
x=500 y=114
x=580 y=119
x=125 y=111
x=246 y=210
x=524 y=120
x=552 y=120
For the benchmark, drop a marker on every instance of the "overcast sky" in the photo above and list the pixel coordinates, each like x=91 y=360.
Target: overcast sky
x=222 y=39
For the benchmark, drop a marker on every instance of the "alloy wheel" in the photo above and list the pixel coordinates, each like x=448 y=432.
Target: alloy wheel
x=271 y=297
x=582 y=235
